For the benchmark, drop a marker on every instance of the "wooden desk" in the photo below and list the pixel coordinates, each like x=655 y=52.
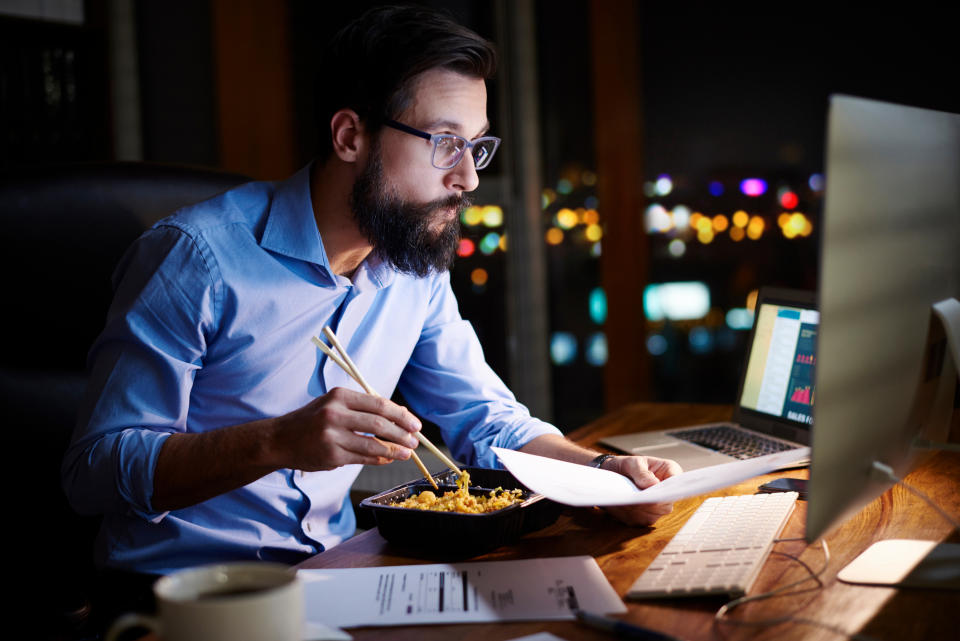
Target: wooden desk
x=623 y=552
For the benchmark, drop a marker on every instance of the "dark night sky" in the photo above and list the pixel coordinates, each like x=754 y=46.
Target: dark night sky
x=748 y=87
x=744 y=86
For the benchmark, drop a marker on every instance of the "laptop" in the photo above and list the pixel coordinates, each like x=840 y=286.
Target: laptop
x=774 y=410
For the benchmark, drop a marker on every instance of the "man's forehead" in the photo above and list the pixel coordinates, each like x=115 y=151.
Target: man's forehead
x=447 y=101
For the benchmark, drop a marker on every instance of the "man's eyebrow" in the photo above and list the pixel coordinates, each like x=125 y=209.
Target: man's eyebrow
x=452 y=125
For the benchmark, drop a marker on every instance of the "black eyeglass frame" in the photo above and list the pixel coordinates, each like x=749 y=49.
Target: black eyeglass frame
x=468 y=145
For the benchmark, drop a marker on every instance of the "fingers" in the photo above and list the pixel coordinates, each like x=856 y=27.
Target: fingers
x=637 y=469
x=663 y=468
x=344 y=427
x=379 y=406
x=358 y=412
x=644 y=471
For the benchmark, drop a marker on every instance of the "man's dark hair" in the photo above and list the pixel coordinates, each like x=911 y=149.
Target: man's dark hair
x=371 y=65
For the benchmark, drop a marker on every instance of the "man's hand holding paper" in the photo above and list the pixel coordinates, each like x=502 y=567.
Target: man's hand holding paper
x=582 y=486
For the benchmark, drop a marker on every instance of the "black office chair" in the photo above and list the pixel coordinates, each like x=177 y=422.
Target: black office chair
x=64 y=229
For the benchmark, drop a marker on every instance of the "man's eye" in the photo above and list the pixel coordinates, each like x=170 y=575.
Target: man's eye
x=450 y=144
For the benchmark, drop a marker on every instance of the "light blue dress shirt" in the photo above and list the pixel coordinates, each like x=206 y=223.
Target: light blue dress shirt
x=210 y=326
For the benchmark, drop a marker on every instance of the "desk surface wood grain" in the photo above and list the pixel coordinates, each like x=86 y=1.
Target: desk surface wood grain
x=623 y=552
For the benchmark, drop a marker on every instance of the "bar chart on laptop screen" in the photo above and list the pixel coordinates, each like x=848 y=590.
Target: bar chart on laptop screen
x=799 y=404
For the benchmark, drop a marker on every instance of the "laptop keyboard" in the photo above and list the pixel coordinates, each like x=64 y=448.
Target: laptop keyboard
x=732 y=442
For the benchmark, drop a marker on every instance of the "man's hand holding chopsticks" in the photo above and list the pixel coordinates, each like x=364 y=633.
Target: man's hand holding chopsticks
x=345 y=427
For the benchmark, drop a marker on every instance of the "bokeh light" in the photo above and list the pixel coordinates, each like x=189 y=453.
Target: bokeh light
x=788 y=199
x=739 y=318
x=479 y=276
x=677 y=248
x=796 y=224
x=720 y=223
x=563 y=348
x=664 y=185
x=554 y=236
x=740 y=218
x=466 y=247
x=657 y=345
x=657 y=219
x=816 y=182
x=566 y=218
x=681 y=216
x=472 y=216
x=492 y=215
x=701 y=340
x=688 y=300
x=715 y=187
x=598 y=305
x=596 y=349
x=489 y=243
x=753 y=187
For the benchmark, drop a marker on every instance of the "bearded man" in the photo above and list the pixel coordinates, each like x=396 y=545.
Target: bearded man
x=213 y=429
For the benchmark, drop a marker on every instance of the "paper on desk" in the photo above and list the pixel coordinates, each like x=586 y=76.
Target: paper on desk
x=523 y=590
x=581 y=485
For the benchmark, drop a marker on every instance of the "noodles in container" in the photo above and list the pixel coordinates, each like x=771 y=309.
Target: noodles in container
x=460 y=500
x=467 y=516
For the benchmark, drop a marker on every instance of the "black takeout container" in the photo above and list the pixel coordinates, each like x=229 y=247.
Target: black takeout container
x=458 y=534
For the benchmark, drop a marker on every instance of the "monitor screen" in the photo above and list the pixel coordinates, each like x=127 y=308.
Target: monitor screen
x=890 y=249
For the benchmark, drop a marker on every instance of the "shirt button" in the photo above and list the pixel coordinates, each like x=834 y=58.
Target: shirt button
x=308 y=527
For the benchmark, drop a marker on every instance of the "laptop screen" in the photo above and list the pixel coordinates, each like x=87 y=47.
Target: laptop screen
x=779 y=377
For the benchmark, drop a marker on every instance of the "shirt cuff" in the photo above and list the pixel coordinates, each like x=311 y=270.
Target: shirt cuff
x=136 y=461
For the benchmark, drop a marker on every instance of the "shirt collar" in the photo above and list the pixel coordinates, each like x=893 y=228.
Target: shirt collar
x=291 y=230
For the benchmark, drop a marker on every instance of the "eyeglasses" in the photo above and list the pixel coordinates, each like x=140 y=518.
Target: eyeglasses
x=448 y=149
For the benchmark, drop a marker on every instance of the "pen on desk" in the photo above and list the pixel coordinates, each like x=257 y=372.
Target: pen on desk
x=622 y=629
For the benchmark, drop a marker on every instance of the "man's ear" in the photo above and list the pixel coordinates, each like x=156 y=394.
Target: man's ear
x=347 y=133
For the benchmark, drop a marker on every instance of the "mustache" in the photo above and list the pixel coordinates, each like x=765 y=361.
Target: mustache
x=459 y=203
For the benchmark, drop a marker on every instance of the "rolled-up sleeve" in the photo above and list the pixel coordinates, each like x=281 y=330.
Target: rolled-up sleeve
x=448 y=381
x=141 y=371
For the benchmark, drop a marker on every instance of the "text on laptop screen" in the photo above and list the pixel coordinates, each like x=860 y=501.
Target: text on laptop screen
x=779 y=378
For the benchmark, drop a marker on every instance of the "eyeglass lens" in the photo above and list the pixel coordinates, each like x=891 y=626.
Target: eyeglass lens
x=449 y=149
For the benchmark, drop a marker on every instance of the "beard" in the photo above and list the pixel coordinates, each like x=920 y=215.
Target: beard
x=405 y=234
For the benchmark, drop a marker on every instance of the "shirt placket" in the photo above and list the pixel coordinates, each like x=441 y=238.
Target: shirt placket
x=344 y=323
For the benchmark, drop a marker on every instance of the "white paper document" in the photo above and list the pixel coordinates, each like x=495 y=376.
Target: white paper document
x=523 y=590
x=582 y=486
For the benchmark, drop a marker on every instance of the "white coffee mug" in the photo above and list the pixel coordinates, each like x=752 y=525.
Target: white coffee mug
x=224 y=602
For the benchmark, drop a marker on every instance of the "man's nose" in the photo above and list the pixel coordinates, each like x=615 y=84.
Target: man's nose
x=463 y=177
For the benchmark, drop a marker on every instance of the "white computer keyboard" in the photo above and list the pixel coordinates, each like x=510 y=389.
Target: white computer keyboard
x=719 y=550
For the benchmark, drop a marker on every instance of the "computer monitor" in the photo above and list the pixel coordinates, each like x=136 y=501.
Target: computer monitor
x=886 y=367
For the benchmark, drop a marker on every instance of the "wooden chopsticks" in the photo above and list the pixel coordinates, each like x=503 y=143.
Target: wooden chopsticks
x=343 y=360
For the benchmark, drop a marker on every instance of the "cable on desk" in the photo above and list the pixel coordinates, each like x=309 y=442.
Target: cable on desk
x=886 y=472
x=720 y=615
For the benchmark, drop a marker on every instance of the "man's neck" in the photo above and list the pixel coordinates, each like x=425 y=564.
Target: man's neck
x=345 y=245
